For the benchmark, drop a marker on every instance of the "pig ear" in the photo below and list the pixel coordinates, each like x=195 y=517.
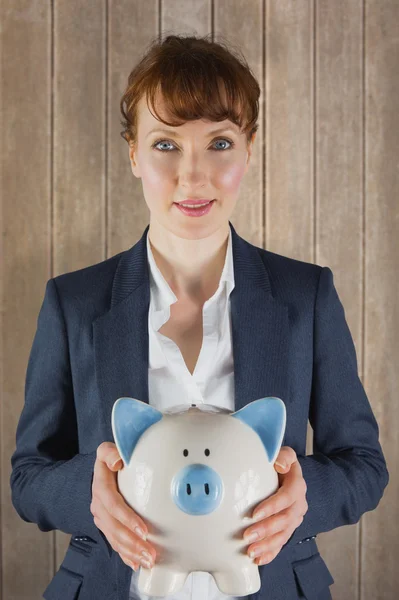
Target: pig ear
x=130 y=419
x=267 y=417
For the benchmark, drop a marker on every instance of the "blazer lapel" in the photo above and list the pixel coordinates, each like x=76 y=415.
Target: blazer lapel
x=260 y=332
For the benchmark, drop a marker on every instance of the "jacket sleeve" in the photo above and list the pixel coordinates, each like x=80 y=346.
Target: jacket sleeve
x=347 y=473
x=50 y=481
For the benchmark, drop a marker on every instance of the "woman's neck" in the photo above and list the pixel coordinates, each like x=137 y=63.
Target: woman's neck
x=191 y=267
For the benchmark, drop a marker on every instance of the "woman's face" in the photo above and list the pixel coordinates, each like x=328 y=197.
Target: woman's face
x=189 y=161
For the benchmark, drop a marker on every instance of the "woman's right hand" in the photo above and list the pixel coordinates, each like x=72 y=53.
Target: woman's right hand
x=116 y=519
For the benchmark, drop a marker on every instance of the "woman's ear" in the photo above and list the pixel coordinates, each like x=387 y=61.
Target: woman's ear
x=132 y=158
x=249 y=151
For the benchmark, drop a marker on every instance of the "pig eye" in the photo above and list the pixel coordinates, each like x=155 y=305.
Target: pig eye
x=185 y=452
x=207 y=453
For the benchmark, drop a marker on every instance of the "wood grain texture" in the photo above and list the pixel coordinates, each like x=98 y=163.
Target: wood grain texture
x=131 y=26
x=289 y=122
x=322 y=187
x=25 y=260
x=338 y=164
x=379 y=571
x=79 y=134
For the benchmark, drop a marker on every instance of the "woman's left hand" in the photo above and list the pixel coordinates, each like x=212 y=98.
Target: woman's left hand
x=284 y=510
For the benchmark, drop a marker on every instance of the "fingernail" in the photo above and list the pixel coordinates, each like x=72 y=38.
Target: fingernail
x=141 y=533
x=282 y=465
x=113 y=464
x=147 y=556
x=251 y=537
x=259 y=515
x=145 y=564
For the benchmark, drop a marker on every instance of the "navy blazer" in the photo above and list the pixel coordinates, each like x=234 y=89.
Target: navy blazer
x=290 y=340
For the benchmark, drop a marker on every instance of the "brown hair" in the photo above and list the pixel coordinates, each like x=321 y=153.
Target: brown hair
x=190 y=73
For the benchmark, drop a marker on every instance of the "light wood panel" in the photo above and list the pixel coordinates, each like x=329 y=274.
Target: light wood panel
x=27 y=553
x=379 y=570
x=289 y=137
x=338 y=170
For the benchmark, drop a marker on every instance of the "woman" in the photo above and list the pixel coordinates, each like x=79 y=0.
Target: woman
x=194 y=309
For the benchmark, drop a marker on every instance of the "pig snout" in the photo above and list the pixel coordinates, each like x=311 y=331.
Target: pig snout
x=197 y=489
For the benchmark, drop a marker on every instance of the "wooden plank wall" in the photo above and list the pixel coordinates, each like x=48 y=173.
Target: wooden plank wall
x=322 y=187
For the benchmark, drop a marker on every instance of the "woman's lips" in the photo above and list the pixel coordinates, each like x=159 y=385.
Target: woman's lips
x=193 y=202
x=195 y=212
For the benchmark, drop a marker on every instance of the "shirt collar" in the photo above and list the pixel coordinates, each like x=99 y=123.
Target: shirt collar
x=162 y=295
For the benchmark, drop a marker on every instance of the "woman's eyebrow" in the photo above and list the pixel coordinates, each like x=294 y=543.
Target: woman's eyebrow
x=174 y=133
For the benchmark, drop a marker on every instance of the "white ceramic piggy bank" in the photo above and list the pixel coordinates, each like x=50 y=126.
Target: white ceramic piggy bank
x=195 y=476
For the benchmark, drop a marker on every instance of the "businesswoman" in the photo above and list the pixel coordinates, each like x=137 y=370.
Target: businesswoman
x=192 y=313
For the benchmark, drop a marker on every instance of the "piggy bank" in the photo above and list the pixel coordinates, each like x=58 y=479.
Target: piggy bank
x=195 y=475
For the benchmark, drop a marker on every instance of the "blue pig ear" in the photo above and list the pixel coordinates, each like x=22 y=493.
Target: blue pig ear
x=130 y=419
x=267 y=417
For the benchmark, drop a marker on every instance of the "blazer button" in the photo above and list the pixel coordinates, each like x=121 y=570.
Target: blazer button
x=307 y=539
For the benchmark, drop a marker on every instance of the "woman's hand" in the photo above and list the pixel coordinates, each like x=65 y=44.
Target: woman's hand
x=113 y=516
x=283 y=511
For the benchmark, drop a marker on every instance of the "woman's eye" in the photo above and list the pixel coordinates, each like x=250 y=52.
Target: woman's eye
x=224 y=140
x=155 y=144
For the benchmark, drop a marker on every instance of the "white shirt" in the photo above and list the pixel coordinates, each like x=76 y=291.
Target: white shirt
x=170 y=383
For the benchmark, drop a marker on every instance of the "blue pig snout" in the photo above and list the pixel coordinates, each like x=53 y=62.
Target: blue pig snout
x=197 y=489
